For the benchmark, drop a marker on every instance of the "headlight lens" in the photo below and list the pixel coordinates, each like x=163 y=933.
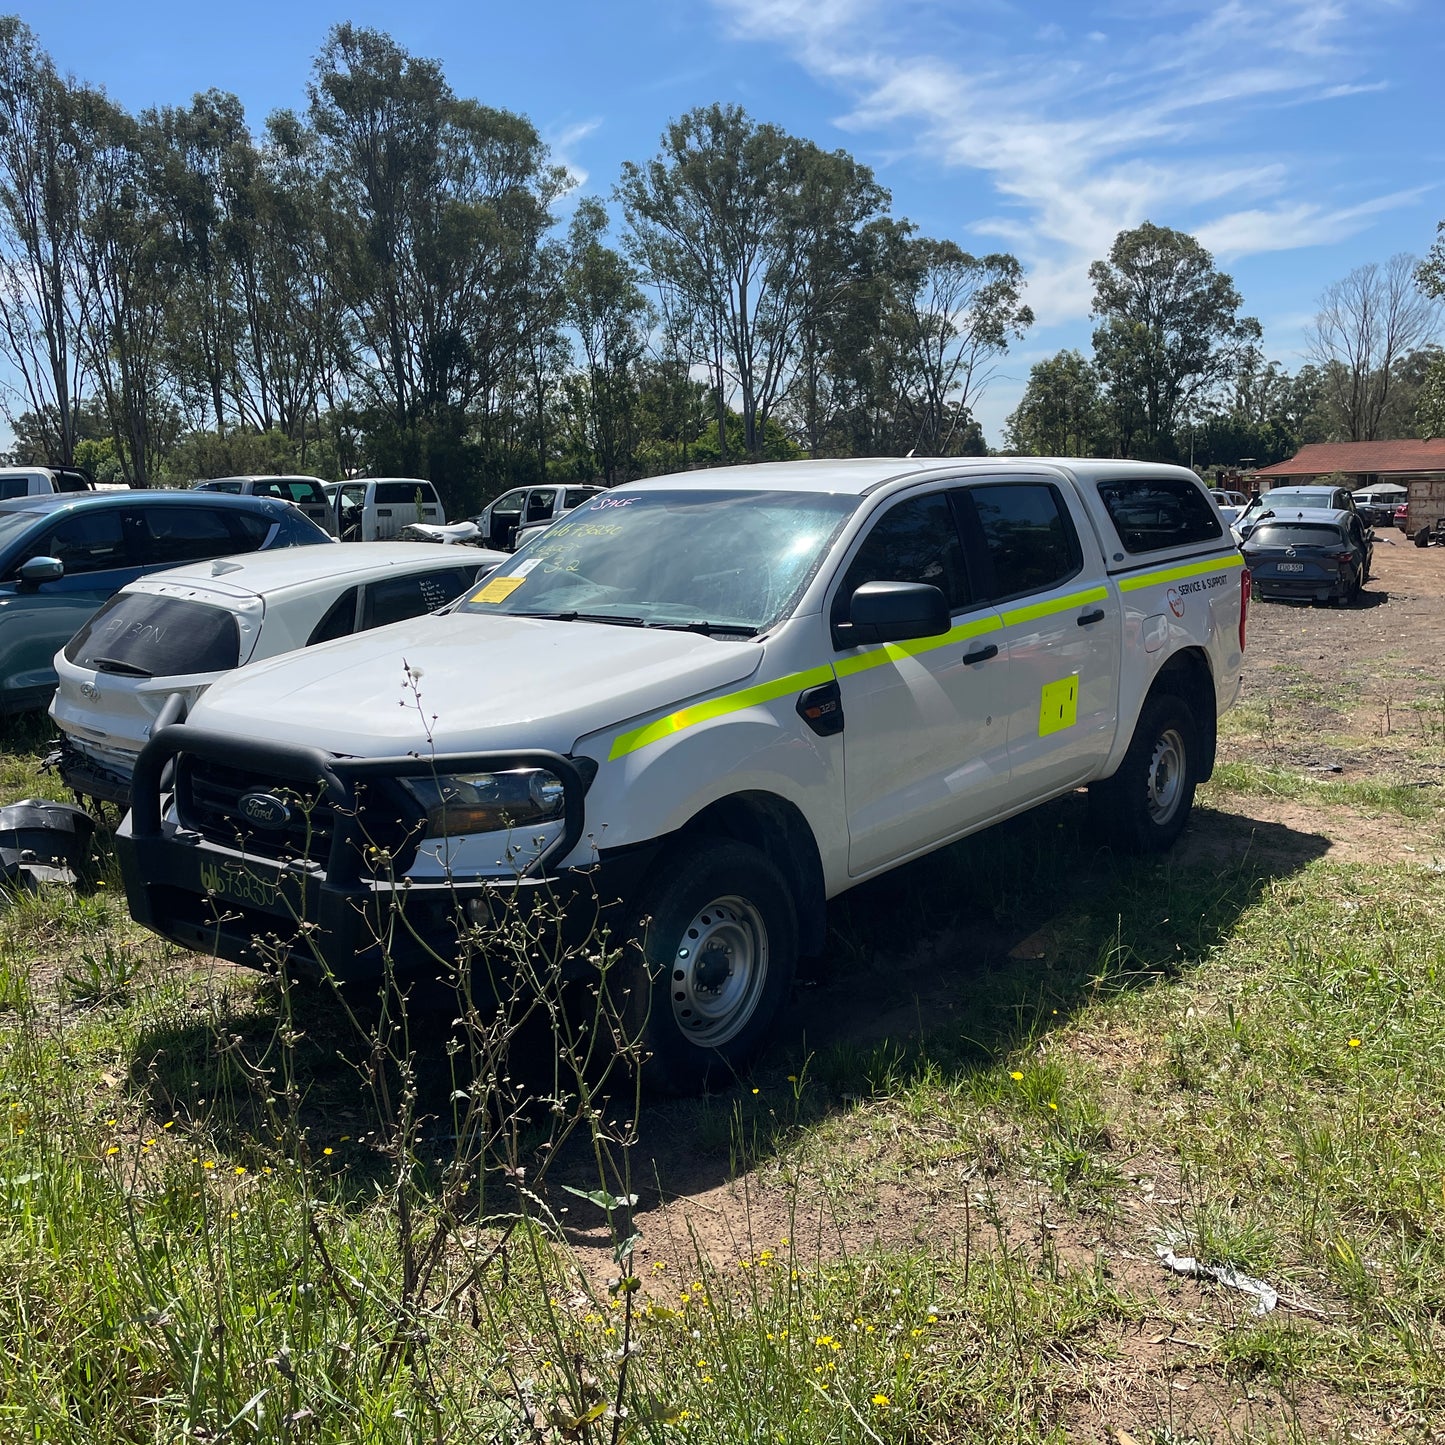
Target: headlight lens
x=488 y=802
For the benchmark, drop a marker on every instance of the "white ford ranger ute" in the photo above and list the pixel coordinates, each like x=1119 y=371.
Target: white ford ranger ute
x=716 y=701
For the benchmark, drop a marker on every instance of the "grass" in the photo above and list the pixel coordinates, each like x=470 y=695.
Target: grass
x=930 y=1217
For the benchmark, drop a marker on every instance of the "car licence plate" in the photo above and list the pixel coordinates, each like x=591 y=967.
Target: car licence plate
x=1290 y=566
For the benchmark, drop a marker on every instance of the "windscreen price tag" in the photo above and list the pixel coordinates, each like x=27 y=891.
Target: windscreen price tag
x=498 y=589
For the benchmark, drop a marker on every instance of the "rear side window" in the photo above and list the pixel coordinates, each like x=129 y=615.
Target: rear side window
x=250 y=529
x=339 y=621
x=70 y=482
x=295 y=529
x=292 y=489
x=916 y=541
x=576 y=498
x=12 y=487
x=1152 y=514
x=185 y=534
x=232 y=488
x=394 y=599
x=401 y=494
x=137 y=634
x=1030 y=540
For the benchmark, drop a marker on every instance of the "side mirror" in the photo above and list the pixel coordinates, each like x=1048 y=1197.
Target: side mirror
x=41 y=569
x=897 y=611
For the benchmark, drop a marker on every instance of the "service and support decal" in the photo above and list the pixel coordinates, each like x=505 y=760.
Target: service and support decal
x=1059 y=705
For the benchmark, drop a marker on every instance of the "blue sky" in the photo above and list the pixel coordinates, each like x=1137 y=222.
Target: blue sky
x=1296 y=138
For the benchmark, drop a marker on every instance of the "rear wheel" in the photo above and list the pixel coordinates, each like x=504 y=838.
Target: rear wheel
x=709 y=964
x=1145 y=806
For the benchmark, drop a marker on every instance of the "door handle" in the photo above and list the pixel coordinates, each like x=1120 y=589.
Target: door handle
x=1097 y=615
x=982 y=655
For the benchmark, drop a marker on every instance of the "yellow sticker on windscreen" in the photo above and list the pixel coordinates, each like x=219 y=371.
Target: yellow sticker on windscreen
x=1059 y=705
x=497 y=590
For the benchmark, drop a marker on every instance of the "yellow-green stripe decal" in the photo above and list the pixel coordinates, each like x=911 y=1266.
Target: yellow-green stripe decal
x=702 y=712
x=896 y=651
x=1056 y=604
x=1177 y=574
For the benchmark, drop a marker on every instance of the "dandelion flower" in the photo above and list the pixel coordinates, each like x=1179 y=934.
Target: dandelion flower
x=1017 y=1077
x=209 y=1164
x=326 y=1151
x=880 y=1400
x=1354 y=1043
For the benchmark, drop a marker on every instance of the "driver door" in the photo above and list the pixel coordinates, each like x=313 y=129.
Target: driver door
x=925 y=739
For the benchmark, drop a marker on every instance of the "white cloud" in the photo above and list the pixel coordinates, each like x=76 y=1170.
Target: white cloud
x=1076 y=153
x=563 y=141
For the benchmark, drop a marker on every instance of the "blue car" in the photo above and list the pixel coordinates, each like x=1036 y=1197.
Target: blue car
x=62 y=556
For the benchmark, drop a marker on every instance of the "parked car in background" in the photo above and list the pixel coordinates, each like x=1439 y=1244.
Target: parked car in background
x=1228 y=499
x=375 y=509
x=61 y=557
x=1402 y=516
x=521 y=513
x=171 y=634
x=1309 y=555
x=17 y=482
x=308 y=493
x=1293 y=499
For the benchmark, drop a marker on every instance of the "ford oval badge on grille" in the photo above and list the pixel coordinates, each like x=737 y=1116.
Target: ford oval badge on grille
x=264 y=810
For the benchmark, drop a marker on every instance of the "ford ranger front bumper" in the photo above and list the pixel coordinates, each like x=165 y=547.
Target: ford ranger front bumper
x=326 y=889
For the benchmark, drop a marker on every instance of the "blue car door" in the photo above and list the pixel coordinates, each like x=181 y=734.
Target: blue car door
x=96 y=546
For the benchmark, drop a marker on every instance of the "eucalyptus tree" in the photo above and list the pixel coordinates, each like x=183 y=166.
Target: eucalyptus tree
x=1169 y=333
x=43 y=292
x=127 y=255
x=1061 y=413
x=1367 y=324
x=953 y=315
x=606 y=309
x=447 y=201
x=732 y=222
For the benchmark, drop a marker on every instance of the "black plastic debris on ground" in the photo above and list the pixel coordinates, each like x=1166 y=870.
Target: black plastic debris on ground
x=43 y=842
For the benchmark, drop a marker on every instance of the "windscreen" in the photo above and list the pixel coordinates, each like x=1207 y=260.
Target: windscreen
x=732 y=559
x=137 y=634
x=1296 y=534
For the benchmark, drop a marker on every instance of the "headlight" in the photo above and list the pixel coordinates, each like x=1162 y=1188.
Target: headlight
x=488 y=802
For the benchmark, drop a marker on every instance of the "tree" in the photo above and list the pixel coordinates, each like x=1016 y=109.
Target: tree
x=447 y=202
x=735 y=224
x=1170 y=332
x=1366 y=325
x=42 y=290
x=1061 y=413
x=952 y=314
x=609 y=313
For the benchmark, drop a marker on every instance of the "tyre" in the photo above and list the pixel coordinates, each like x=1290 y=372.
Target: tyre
x=1144 y=807
x=708 y=965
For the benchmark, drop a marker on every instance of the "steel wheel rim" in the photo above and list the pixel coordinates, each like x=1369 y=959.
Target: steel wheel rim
x=1165 y=782
x=719 y=968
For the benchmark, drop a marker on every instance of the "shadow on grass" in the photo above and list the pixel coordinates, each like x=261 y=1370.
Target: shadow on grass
x=953 y=962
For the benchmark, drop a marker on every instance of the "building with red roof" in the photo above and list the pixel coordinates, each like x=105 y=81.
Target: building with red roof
x=1416 y=464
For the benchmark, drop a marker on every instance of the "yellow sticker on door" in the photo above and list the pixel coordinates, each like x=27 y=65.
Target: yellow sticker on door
x=1059 y=705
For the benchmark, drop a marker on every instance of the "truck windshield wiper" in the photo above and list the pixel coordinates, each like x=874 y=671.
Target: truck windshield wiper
x=123 y=669
x=708 y=629
x=610 y=617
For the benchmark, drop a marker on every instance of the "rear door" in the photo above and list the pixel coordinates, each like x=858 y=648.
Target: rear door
x=924 y=736
x=504 y=516
x=393 y=505
x=1061 y=630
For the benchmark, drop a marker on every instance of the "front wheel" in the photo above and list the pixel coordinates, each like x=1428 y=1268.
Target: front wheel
x=1144 y=807
x=709 y=964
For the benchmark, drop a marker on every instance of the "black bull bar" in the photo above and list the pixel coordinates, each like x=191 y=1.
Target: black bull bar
x=218 y=899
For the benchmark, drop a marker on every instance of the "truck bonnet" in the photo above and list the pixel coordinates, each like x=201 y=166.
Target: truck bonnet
x=493 y=682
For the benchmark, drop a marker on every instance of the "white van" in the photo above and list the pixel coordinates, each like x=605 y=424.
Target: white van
x=375 y=509
x=18 y=482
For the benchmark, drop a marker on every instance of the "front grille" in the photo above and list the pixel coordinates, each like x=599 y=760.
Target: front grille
x=387 y=827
